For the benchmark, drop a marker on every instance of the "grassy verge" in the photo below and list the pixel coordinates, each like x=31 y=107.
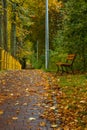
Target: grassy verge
x=73 y=103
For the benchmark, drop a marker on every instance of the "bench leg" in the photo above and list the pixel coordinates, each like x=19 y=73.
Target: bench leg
x=66 y=69
x=57 y=69
x=62 y=70
x=72 y=70
x=69 y=68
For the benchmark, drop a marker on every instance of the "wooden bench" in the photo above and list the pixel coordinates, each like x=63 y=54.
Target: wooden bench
x=68 y=65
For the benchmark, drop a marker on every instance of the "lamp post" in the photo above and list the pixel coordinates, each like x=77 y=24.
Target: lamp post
x=46 y=37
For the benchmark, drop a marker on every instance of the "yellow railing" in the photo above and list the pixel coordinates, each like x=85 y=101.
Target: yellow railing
x=8 y=62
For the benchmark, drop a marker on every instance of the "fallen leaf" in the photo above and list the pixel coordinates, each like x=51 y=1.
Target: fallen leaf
x=17 y=103
x=58 y=128
x=66 y=128
x=42 y=124
x=53 y=108
x=25 y=104
x=1 y=112
x=32 y=118
x=54 y=125
x=46 y=106
x=15 y=118
x=17 y=112
x=11 y=94
x=82 y=101
x=27 y=89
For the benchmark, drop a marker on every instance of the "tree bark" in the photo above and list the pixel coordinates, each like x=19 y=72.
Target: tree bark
x=4 y=5
x=13 y=30
x=1 y=26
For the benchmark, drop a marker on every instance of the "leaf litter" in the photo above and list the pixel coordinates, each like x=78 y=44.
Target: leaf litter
x=60 y=110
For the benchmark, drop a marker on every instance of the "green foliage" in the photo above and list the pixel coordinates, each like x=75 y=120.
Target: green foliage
x=25 y=52
x=26 y=21
x=75 y=27
x=36 y=64
x=73 y=34
x=67 y=28
x=59 y=52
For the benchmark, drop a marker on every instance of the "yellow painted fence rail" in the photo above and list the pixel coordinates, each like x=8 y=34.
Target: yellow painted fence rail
x=8 y=62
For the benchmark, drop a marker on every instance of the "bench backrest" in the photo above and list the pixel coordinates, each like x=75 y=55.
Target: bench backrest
x=70 y=58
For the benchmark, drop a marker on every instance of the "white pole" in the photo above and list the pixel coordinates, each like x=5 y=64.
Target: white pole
x=47 y=38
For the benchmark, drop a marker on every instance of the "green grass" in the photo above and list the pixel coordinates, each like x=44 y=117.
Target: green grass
x=74 y=88
x=73 y=80
x=71 y=84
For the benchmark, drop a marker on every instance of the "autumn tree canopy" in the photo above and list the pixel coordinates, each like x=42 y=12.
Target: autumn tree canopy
x=22 y=23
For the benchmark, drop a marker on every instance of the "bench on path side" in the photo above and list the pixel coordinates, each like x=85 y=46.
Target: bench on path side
x=66 y=66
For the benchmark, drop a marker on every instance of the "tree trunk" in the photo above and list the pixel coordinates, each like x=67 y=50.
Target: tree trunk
x=4 y=5
x=13 y=30
x=1 y=33
x=1 y=27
